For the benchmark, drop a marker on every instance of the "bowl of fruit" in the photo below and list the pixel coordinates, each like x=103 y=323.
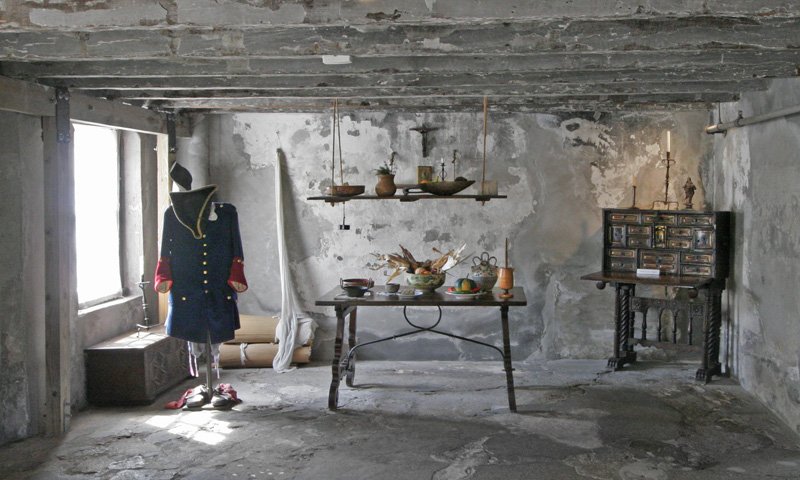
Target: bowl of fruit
x=425 y=280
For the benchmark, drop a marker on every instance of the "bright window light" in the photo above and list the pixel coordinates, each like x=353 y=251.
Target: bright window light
x=97 y=213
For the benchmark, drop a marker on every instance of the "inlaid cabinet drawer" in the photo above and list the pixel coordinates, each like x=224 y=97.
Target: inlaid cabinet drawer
x=638 y=230
x=664 y=261
x=659 y=218
x=696 y=258
x=622 y=266
x=680 y=232
x=659 y=257
x=696 y=219
x=624 y=217
x=704 y=270
x=679 y=243
x=640 y=241
x=621 y=253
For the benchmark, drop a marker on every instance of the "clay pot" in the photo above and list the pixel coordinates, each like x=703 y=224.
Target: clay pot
x=385 y=186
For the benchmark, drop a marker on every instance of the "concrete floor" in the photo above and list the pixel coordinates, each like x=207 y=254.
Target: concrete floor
x=433 y=420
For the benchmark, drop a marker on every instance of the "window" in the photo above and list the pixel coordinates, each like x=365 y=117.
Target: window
x=97 y=212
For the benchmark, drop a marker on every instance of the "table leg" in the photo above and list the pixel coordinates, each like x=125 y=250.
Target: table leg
x=512 y=400
x=623 y=350
x=712 y=324
x=336 y=367
x=350 y=361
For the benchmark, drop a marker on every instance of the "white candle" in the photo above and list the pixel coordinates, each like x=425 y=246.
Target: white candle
x=633 y=180
x=668 y=142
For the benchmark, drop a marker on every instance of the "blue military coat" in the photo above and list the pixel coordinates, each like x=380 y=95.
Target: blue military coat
x=201 y=246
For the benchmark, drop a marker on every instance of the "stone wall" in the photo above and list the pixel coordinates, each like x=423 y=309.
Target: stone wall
x=558 y=172
x=21 y=276
x=759 y=180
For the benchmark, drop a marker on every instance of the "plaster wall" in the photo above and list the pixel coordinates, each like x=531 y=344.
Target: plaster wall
x=558 y=172
x=757 y=179
x=21 y=276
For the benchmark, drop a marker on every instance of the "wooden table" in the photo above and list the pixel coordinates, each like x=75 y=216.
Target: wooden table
x=627 y=303
x=346 y=308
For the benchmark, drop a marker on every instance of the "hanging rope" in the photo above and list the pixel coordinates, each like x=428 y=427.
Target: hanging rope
x=333 y=147
x=339 y=136
x=483 y=175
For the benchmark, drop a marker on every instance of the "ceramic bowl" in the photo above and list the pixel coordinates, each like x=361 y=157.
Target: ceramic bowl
x=356 y=282
x=425 y=282
x=484 y=280
x=355 y=291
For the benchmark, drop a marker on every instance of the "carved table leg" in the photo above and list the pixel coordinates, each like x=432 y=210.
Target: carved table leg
x=512 y=400
x=350 y=361
x=623 y=350
x=712 y=324
x=336 y=366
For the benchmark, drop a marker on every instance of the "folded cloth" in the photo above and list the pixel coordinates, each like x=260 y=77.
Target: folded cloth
x=180 y=402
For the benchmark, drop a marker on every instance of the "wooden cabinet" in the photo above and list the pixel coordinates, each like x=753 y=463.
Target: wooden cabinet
x=690 y=250
x=679 y=243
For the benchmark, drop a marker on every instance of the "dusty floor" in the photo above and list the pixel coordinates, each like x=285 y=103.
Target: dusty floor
x=434 y=420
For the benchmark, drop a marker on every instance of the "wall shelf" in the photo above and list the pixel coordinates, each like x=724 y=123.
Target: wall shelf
x=409 y=197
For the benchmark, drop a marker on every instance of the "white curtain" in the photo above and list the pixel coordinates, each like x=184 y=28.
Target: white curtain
x=295 y=329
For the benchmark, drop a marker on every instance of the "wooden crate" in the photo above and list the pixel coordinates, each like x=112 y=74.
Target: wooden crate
x=134 y=370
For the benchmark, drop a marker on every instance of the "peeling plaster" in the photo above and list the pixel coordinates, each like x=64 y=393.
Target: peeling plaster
x=555 y=190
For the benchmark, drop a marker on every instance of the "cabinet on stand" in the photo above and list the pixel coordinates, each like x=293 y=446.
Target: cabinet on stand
x=679 y=248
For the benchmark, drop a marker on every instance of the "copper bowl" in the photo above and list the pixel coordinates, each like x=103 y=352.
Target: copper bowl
x=445 y=188
x=345 y=190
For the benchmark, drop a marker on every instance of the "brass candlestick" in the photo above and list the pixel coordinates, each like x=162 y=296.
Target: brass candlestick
x=669 y=162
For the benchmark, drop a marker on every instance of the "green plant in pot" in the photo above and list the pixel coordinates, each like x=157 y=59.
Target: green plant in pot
x=385 y=186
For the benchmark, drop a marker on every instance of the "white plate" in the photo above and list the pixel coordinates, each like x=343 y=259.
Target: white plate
x=403 y=296
x=465 y=295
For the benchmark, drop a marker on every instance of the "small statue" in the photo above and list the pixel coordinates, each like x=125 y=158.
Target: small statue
x=688 y=191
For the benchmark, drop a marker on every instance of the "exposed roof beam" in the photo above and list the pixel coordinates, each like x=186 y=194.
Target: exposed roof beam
x=695 y=33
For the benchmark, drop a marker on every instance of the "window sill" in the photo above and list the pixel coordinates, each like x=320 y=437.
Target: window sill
x=108 y=304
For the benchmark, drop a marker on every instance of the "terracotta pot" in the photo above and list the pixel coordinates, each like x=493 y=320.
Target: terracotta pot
x=385 y=186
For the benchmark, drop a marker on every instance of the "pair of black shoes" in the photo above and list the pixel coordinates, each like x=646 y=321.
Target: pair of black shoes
x=218 y=398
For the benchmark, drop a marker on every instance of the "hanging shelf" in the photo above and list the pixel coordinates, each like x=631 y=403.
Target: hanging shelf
x=411 y=192
x=405 y=197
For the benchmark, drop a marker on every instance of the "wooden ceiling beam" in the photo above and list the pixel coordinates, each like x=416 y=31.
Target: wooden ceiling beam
x=696 y=33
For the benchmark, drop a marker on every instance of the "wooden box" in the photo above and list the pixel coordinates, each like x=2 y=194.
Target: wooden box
x=134 y=370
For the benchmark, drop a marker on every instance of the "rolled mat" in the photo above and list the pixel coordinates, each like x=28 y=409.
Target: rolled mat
x=256 y=329
x=256 y=355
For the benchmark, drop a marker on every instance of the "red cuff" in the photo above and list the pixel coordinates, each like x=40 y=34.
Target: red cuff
x=236 y=279
x=163 y=278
